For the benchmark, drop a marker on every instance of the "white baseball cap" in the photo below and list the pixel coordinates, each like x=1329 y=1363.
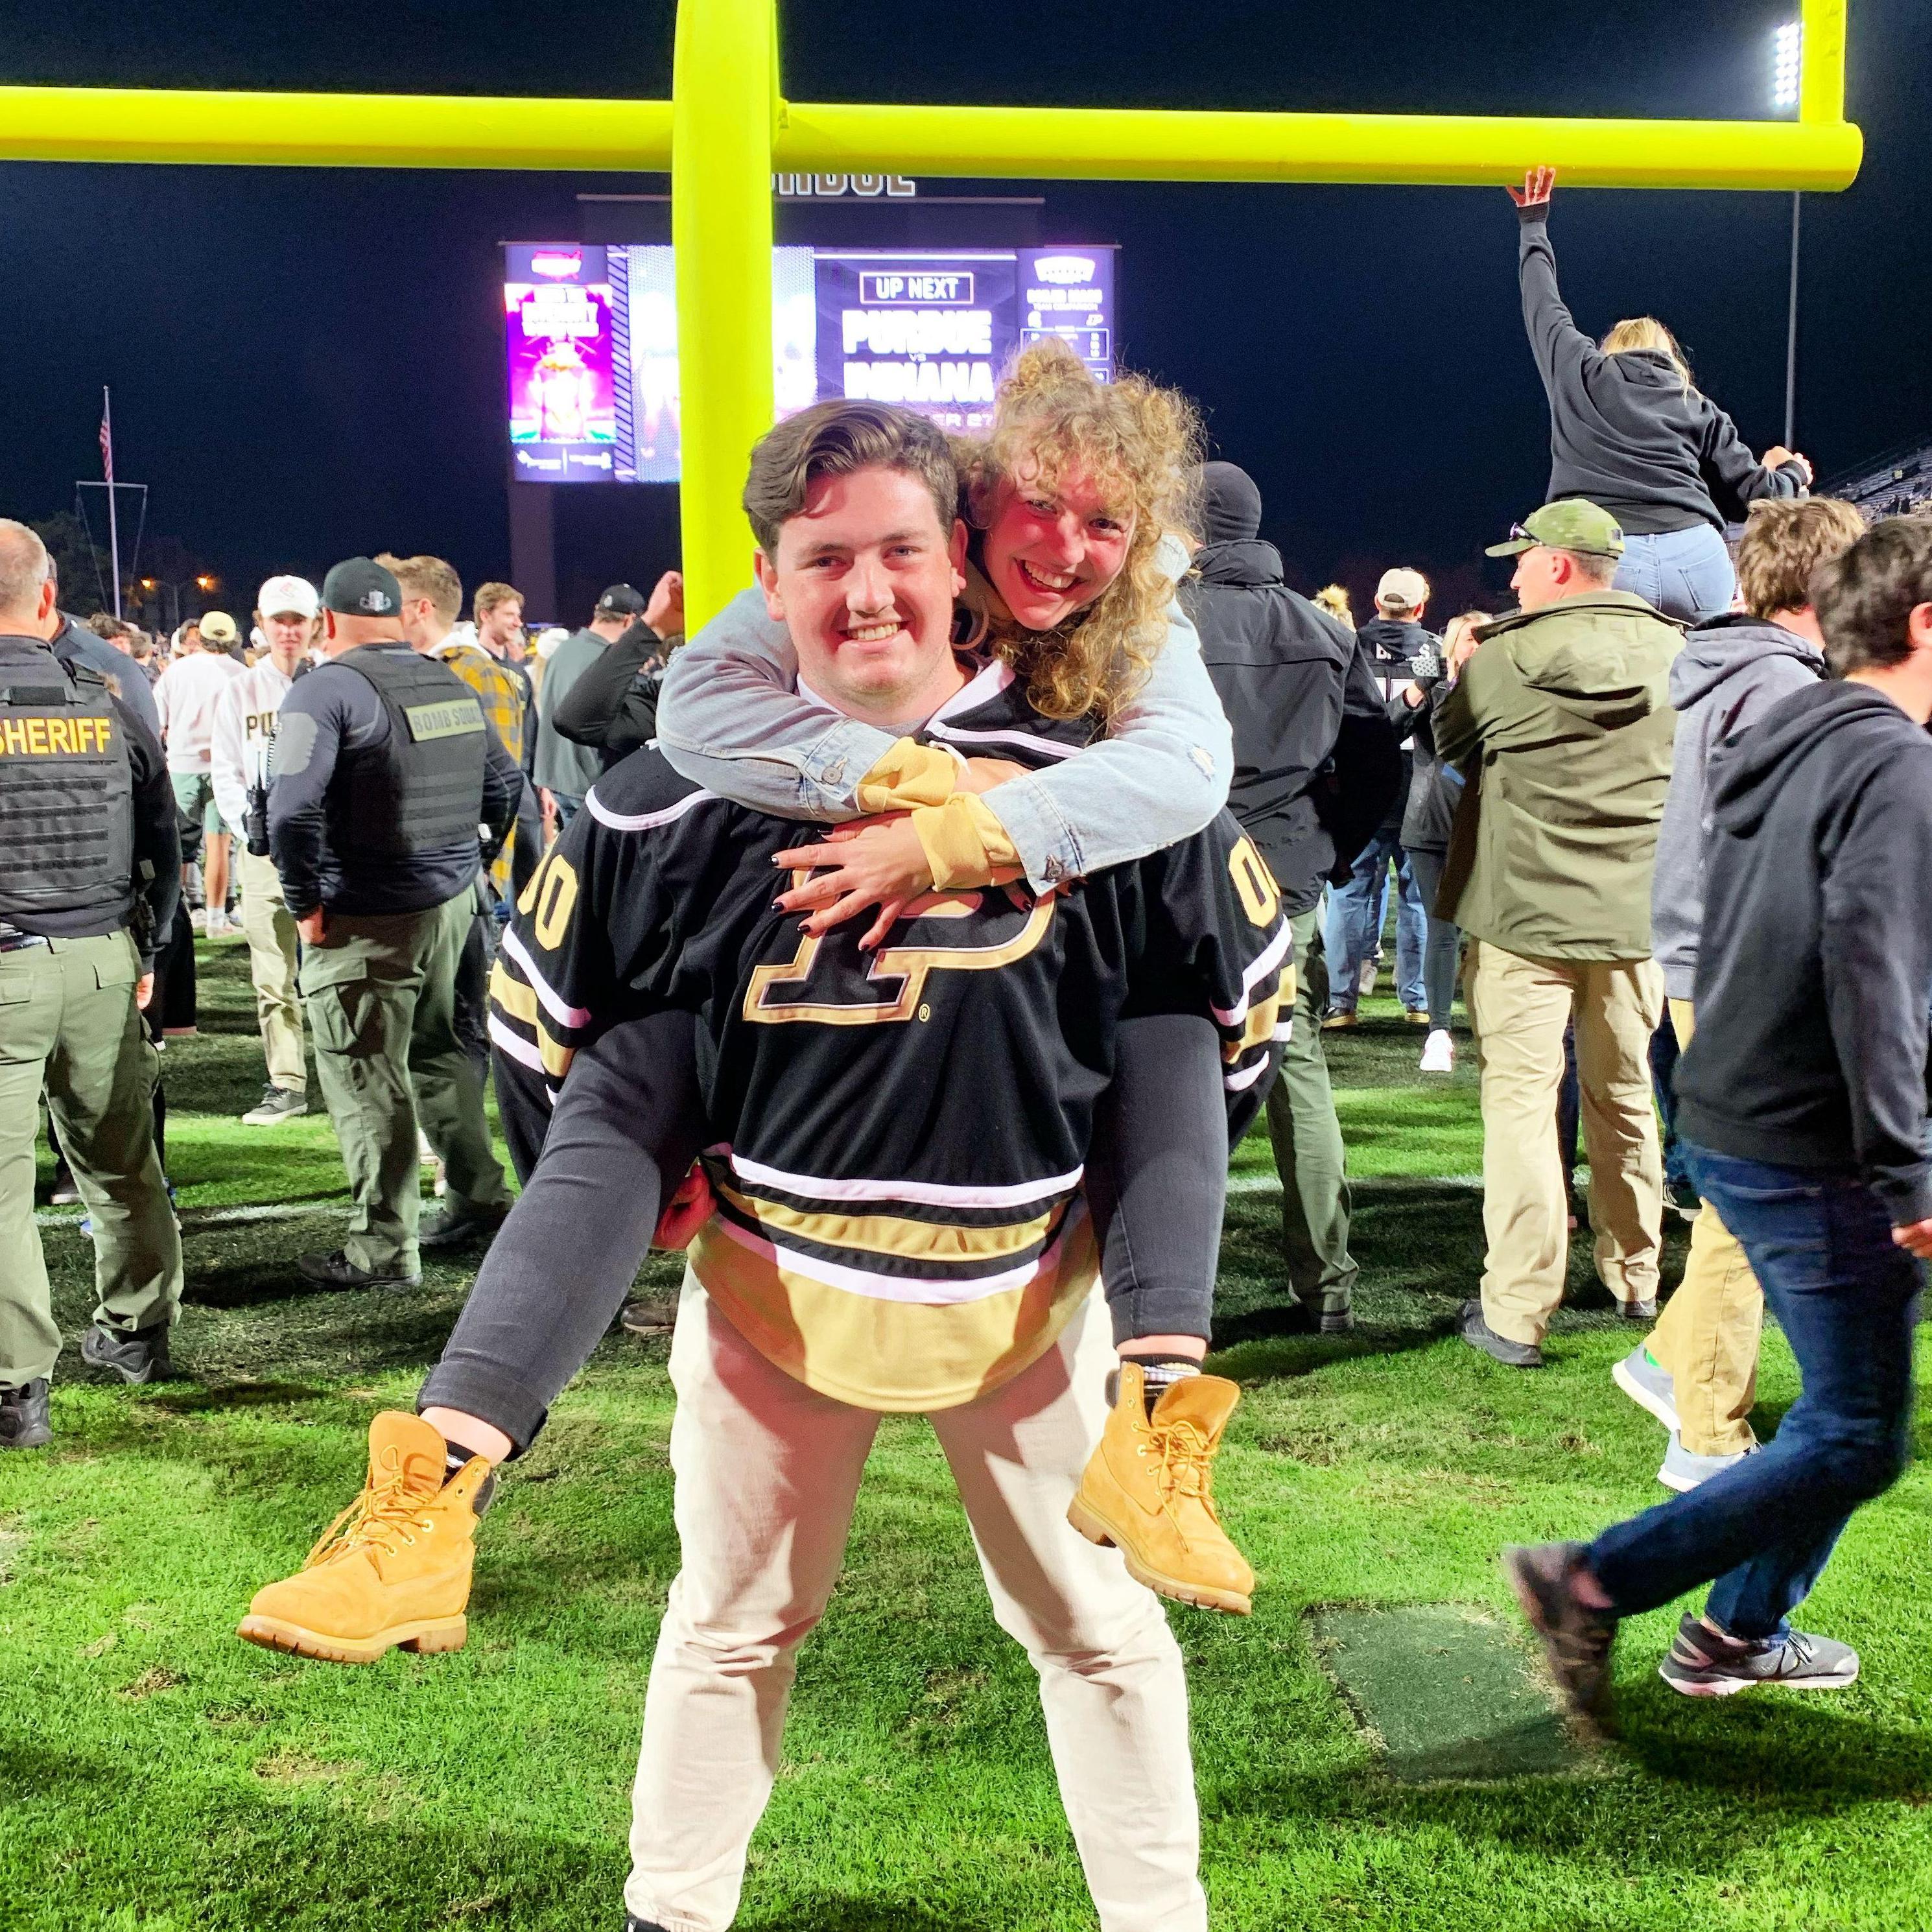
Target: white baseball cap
x=281 y=595
x=1401 y=590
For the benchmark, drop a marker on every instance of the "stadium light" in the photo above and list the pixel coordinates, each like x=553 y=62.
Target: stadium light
x=728 y=128
x=1787 y=65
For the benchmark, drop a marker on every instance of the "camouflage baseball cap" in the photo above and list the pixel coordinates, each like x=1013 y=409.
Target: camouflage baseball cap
x=1574 y=523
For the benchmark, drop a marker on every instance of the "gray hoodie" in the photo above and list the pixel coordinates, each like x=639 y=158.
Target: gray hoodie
x=1729 y=672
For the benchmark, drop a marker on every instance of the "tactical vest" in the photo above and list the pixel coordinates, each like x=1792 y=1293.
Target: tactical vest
x=422 y=789
x=66 y=789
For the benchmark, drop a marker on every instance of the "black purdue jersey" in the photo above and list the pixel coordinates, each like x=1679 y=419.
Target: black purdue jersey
x=899 y=1136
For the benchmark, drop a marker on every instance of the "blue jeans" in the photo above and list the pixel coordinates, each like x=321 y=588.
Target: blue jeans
x=1353 y=927
x=1442 y=953
x=1847 y=1299
x=1664 y=1051
x=1684 y=574
x=569 y=804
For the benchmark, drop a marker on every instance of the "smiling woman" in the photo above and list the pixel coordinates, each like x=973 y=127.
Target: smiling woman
x=1073 y=491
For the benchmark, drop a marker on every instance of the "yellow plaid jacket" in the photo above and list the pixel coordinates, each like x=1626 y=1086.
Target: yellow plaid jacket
x=501 y=698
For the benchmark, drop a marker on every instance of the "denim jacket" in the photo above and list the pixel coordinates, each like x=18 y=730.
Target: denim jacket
x=729 y=718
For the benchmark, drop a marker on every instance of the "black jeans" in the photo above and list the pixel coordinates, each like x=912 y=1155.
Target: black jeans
x=1847 y=1298
x=629 y=1121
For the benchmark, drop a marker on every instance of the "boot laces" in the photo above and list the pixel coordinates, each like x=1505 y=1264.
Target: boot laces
x=1187 y=1469
x=384 y=1515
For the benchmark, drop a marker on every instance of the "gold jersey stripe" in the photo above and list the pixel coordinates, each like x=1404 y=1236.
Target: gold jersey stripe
x=899 y=1358
x=938 y=1242
x=516 y=999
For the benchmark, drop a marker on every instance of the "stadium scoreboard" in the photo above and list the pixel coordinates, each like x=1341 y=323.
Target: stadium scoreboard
x=591 y=341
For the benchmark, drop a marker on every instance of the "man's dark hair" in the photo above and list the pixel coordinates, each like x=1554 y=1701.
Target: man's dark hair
x=105 y=625
x=1864 y=597
x=834 y=438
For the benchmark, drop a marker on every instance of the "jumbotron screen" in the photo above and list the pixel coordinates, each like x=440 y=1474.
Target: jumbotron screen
x=591 y=341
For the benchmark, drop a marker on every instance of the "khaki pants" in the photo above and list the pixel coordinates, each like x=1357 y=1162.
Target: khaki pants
x=1519 y=1008
x=271 y=967
x=380 y=992
x=1708 y=1339
x=68 y=1023
x=767 y=1473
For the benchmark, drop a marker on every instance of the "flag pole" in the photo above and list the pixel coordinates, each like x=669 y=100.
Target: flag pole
x=107 y=462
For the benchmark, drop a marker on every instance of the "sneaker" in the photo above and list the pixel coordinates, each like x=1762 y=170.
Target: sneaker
x=649 y=1317
x=140 y=1355
x=64 y=1193
x=1479 y=1334
x=457 y=1222
x=334 y=1269
x=1637 y=1311
x=220 y=926
x=1702 y=1662
x=179 y=1032
x=1438 y=1052
x=1416 y=1015
x=23 y=1416
x=1148 y=1491
x=1366 y=978
x=1309 y=1318
x=198 y=919
x=1648 y=1383
x=1339 y=1019
x=393 y=1569
x=277 y=1103
x=1682 y=1198
x=1576 y=1637
x=1682 y=1469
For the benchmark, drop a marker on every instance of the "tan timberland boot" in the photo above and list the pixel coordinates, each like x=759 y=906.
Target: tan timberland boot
x=1149 y=1490
x=393 y=1568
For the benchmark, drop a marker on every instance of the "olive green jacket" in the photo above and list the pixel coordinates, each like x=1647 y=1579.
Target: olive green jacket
x=1562 y=724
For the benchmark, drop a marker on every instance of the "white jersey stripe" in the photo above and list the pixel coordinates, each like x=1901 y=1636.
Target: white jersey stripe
x=642 y=821
x=1044 y=748
x=1270 y=959
x=924 y=1193
x=935 y=1294
x=1239 y=1082
x=555 y=1004
x=514 y=1044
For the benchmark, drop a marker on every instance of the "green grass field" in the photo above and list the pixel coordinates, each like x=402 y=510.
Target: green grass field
x=156 y=1774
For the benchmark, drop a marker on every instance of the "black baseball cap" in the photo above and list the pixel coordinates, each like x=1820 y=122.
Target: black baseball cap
x=621 y=600
x=358 y=587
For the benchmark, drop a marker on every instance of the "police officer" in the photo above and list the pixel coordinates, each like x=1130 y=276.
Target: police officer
x=90 y=857
x=383 y=767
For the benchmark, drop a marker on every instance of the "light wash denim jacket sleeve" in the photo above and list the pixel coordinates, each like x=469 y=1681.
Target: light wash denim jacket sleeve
x=729 y=719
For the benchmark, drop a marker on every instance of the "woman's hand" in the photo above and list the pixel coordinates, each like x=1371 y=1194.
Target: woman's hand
x=869 y=861
x=1538 y=185
x=1777 y=456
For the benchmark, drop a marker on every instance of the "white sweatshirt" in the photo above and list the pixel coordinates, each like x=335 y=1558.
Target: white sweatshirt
x=184 y=697
x=244 y=721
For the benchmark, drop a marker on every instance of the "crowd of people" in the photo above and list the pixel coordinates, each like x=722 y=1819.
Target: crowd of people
x=907 y=1090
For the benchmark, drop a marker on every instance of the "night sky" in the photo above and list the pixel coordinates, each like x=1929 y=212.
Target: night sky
x=306 y=365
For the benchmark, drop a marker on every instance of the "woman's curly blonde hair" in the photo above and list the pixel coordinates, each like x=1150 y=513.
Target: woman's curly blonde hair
x=1138 y=446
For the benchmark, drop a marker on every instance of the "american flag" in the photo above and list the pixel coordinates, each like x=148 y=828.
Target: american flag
x=106 y=444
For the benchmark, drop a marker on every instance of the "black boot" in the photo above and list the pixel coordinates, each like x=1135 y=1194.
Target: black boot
x=141 y=1357
x=23 y=1416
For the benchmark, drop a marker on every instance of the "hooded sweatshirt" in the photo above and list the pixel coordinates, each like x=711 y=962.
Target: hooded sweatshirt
x=1627 y=430
x=1730 y=672
x=1816 y=962
x=1562 y=724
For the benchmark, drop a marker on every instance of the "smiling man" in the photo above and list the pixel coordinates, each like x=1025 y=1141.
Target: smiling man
x=893 y=1222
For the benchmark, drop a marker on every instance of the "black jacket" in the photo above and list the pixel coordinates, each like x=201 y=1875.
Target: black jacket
x=1814 y=967
x=1315 y=762
x=1624 y=431
x=1434 y=785
x=613 y=707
